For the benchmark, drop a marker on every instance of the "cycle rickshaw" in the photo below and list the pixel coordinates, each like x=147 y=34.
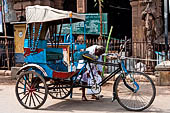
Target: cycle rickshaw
x=45 y=72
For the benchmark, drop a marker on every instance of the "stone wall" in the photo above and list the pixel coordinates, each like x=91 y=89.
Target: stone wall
x=58 y=4
x=10 y=14
x=19 y=6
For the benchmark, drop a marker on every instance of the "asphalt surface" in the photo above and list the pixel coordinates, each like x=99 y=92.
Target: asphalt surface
x=9 y=103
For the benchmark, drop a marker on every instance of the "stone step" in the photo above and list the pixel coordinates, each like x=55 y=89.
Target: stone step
x=5 y=77
x=7 y=80
x=5 y=72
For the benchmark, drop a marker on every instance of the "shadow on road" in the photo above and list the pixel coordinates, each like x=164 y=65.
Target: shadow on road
x=103 y=105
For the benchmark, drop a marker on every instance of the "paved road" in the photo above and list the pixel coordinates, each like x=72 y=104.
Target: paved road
x=9 y=103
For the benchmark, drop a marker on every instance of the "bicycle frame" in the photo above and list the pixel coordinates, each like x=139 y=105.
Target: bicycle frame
x=83 y=69
x=121 y=67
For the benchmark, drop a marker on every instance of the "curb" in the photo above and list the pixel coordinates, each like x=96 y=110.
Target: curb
x=5 y=72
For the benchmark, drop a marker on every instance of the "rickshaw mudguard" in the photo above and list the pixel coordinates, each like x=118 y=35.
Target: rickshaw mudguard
x=32 y=66
x=47 y=71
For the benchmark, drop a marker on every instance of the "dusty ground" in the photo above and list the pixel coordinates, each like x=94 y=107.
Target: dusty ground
x=9 y=103
x=6 y=80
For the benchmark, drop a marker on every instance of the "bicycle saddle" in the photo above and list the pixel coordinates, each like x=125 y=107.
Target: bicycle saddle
x=90 y=57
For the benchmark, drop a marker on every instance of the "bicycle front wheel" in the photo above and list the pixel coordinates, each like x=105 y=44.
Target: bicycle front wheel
x=135 y=91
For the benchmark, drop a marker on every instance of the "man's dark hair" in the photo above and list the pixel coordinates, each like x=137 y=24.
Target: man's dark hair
x=99 y=51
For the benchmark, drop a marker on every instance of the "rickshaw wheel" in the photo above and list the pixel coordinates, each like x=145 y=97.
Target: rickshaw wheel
x=31 y=90
x=60 y=89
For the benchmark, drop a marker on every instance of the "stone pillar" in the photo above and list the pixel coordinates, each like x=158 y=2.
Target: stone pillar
x=137 y=27
x=141 y=31
x=81 y=6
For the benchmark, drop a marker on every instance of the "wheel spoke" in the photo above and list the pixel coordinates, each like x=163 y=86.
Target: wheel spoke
x=24 y=96
x=63 y=90
x=32 y=78
x=34 y=81
x=26 y=81
x=21 y=88
x=143 y=98
x=33 y=99
x=60 y=91
x=27 y=78
x=142 y=103
x=36 y=98
x=22 y=83
x=66 y=89
x=27 y=99
x=125 y=92
x=127 y=101
x=30 y=101
x=40 y=92
x=22 y=92
x=57 y=92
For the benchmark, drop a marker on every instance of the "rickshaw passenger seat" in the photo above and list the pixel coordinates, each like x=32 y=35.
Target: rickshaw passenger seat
x=54 y=54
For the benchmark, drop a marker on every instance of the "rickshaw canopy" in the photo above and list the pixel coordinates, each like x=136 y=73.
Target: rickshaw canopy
x=47 y=14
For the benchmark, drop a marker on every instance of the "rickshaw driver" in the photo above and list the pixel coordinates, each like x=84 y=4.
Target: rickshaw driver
x=97 y=70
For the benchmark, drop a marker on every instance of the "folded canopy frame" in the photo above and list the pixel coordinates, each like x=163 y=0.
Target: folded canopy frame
x=46 y=14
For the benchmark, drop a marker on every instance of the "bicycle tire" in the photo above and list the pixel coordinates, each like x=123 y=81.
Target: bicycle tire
x=135 y=104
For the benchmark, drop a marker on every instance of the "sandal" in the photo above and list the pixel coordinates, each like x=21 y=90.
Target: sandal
x=95 y=97
x=84 y=98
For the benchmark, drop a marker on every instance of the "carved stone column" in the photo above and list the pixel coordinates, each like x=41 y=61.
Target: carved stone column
x=146 y=20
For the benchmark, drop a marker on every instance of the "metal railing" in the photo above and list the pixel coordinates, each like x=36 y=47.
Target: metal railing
x=137 y=53
x=3 y=56
x=140 y=55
